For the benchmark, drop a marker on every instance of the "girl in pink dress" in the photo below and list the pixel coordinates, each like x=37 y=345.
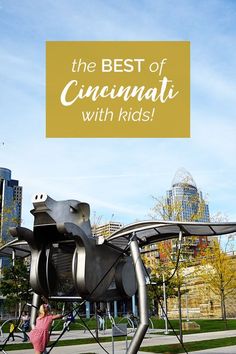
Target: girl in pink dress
x=39 y=336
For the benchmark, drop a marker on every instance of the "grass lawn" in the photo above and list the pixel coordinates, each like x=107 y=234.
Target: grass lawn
x=190 y=346
x=206 y=326
x=63 y=343
x=167 y=349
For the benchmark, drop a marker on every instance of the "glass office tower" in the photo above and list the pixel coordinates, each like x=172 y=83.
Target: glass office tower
x=10 y=204
x=185 y=201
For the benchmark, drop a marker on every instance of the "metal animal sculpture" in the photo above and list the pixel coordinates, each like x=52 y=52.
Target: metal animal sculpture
x=68 y=262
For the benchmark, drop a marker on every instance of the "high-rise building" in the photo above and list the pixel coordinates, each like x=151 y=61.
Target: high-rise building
x=10 y=203
x=107 y=229
x=185 y=201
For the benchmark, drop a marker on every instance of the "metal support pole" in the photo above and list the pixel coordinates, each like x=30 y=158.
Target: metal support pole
x=187 y=313
x=34 y=309
x=96 y=315
x=13 y=256
x=115 y=309
x=134 y=306
x=165 y=305
x=179 y=293
x=113 y=344
x=87 y=309
x=142 y=298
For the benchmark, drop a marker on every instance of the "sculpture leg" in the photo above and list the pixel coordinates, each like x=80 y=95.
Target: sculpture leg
x=34 y=309
x=142 y=292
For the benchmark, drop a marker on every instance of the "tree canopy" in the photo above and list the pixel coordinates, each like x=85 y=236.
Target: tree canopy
x=14 y=283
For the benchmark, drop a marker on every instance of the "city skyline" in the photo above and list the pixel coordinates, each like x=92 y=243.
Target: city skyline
x=182 y=178
x=119 y=176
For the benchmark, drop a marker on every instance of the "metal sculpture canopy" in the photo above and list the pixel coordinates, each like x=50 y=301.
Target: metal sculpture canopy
x=149 y=232
x=67 y=261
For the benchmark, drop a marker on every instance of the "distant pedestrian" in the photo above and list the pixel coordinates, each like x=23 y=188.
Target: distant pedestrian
x=69 y=319
x=12 y=329
x=25 y=325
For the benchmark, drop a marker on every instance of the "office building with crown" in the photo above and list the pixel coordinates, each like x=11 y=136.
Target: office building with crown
x=185 y=203
x=10 y=205
x=185 y=200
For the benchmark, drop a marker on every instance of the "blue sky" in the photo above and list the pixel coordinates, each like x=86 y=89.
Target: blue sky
x=119 y=176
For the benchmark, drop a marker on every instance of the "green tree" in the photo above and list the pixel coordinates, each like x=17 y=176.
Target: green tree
x=157 y=270
x=166 y=269
x=167 y=210
x=7 y=219
x=218 y=270
x=14 y=284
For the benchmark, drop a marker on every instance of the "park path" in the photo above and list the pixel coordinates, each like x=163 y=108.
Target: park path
x=150 y=339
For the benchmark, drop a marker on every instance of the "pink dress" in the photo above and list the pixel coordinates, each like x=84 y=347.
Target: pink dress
x=39 y=336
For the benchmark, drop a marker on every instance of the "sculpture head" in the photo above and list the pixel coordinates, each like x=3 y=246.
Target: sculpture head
x=48 y=211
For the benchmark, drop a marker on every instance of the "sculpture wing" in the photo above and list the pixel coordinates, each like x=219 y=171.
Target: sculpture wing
x=19 y=248
x=148 y=232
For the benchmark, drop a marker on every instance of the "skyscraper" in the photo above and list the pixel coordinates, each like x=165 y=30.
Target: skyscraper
x=185 y=201
x=10 y=203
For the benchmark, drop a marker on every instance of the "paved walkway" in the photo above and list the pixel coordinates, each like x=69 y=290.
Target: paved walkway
x=151 y=339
